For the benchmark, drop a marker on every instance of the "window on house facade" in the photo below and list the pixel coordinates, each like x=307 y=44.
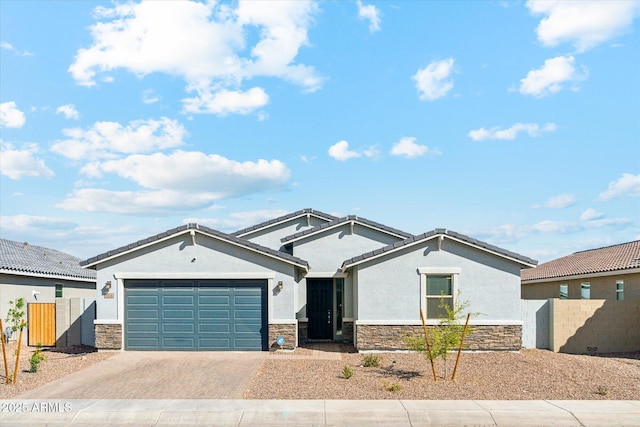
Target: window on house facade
x=620 y=290
x=437 y=285
x=564 y=291
x=585 y=290
x=58 y=290
x=439 y=291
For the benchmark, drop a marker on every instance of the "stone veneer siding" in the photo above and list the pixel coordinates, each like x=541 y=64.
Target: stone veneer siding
x=108 y=336
x=347 y=332
x=484 y=337
x=303 y=332
x=288 y=331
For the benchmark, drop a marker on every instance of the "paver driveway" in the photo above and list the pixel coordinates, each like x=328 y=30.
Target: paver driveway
x=158 y=375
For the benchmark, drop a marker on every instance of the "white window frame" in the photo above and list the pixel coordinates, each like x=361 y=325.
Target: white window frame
x=619 y=290
x=454 y=272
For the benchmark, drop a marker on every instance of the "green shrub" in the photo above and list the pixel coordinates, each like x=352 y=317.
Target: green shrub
x=37 y=357
x=370 y=361
x=347 y=372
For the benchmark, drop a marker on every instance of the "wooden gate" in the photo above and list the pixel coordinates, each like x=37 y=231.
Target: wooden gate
x=42 y=324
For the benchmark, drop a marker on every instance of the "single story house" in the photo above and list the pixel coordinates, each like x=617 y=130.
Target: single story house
x=305 y=276
x=609 y=273
x=39 y=274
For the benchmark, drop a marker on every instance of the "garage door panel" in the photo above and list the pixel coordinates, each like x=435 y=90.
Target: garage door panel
x=178 y=343
x=143 y=314
x=185 y=328
x=213 y=300
x=196 y=315
x=143 y=327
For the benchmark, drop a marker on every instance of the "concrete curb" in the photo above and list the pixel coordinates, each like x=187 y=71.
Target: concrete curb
x=242 y=413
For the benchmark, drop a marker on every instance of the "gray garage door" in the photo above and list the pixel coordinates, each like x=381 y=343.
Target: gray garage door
x=195 y=315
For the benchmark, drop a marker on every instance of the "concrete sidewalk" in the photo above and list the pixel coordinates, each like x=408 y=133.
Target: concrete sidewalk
x=242 y=413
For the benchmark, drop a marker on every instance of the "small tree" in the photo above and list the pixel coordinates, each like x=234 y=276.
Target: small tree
x=444 y=337
x=15 y=315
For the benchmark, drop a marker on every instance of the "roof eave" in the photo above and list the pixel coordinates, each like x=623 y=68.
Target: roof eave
x=581 y=276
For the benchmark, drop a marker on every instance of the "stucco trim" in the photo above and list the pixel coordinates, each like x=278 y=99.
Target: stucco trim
x=46 y=276
x=283 y=322
x=432 y=322
x=439 y=270
x=325 y=274
x=211 y=275
x=582 y=276
x=107 y=322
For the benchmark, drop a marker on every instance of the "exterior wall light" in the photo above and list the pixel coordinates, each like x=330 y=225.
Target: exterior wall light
x=107 y=285
x=280 y=285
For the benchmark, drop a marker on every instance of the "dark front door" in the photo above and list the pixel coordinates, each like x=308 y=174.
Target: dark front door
x=320 y=308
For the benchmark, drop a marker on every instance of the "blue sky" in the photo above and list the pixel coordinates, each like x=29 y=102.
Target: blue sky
x=517 y=123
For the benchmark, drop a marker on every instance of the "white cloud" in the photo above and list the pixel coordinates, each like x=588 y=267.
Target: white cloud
x=225 y=101
x=30 y=223
x=108 y=139
x=11 y=116
x=591 y=214
x=407 y=147
x=69 y=111
x=340 y=151
x=551 y=78
x=8 y=46
x=149 y=96
x=238 y=220
x=560 y=201
x=433 y=81
x=176 y=182
x=585 y=24
x=627 y=185
x=370 y=13
x=532 y=129
x=208 y=44
x=21 y=163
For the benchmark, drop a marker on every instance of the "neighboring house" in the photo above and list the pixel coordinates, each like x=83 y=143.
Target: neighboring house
x=303 y=276
x=39 y=274
x=610 y=273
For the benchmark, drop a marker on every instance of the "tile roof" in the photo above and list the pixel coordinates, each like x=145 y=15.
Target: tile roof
x=623 y=256
x=283 y=218
x=345 y=220
x=25 y=259
x=205 y=230
x=439 y=232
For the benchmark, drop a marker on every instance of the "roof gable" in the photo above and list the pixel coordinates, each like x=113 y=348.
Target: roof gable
x=439 y=233
x=195 y=228
x=29 y=260
x=282 y=219
x=624 y=256
x=339 y=222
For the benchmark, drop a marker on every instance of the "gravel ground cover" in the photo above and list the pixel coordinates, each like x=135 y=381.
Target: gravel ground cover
x=528 y=374
x=60 y=362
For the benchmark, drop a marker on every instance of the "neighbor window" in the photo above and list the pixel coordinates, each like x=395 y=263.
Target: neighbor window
x=585 y=290
x=620 y=290
x=564 y=291
x=58 y=290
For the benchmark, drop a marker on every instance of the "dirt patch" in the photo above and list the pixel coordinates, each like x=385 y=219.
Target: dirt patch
x=60 y=362
x=528 y=374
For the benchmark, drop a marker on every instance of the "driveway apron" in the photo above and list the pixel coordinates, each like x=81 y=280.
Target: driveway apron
x=158 y=375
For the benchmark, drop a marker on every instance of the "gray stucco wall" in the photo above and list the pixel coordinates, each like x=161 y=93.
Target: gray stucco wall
x=16 y=286
x=270 y=237
x=209 y=258
x=326 y=251
x=389 y=288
